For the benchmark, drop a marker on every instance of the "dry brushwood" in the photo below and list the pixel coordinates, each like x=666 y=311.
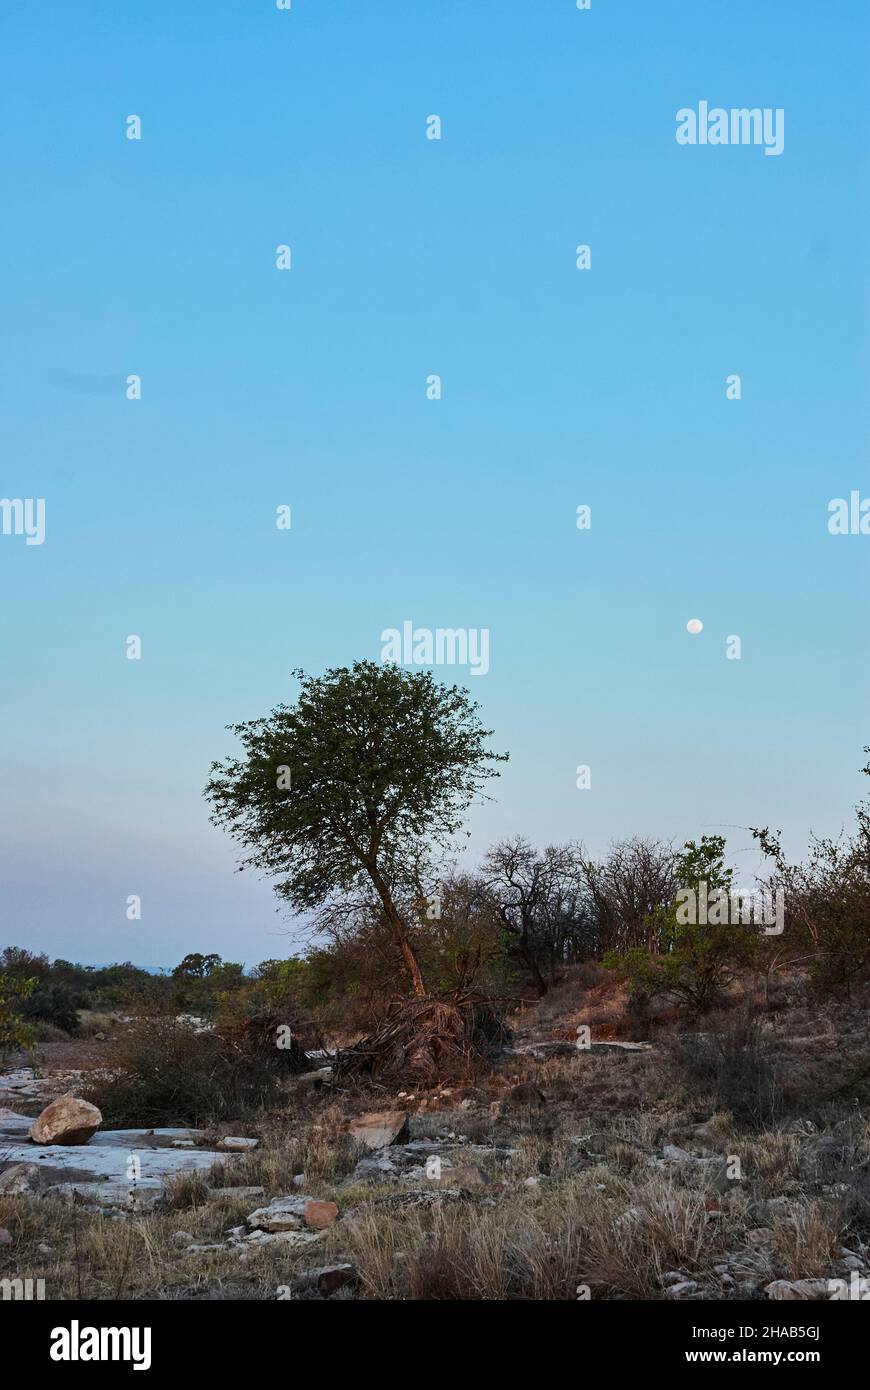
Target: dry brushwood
x=425 y=1042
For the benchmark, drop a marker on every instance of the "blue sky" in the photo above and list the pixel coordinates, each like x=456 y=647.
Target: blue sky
x=308 y=388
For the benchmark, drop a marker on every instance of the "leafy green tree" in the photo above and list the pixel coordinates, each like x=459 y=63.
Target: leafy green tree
x=695 y=959
x=15 y=1033
x=369 y=772
x=196 y=966
x=828 y=898
x=53 y=1003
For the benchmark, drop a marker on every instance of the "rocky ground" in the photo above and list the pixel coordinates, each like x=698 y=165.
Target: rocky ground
x=559 y=1173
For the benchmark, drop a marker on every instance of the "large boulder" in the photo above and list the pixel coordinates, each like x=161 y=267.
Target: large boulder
x=379 y=1128
x=68 y=1120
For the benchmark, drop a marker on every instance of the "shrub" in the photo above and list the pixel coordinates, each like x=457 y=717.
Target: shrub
x=166 y=1073
x=731 y=1064
x=53 y=1004
x=15 y=1032
x=693 y=961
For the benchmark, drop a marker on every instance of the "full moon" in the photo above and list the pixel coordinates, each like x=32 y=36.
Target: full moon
x=694 y=625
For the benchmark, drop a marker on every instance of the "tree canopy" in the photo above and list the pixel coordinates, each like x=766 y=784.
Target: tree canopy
x=361 y=780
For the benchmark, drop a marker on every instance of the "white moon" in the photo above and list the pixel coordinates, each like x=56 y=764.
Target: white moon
x=694 y=625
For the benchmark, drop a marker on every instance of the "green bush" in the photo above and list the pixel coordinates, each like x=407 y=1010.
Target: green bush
x=694 y=961
x=15 y=1032
x=53 y=1004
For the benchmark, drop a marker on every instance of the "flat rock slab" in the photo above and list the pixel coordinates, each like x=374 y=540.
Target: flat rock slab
x=409 y=1162
x=130 y=1196
x=12 y=1124
x=565 y=1049
x=144 y=1138
x=379 y=1128
x=109 y=1161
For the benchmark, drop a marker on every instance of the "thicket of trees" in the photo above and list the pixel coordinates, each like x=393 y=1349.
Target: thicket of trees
x=352 y=800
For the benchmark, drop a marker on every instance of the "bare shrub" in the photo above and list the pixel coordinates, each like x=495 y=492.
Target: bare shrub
x=731 y=1064
x=165 y=1072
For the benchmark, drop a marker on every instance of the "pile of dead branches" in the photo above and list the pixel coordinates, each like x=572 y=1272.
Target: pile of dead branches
x=425 y=1042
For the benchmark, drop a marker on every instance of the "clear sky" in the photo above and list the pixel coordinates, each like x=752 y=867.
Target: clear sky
x=307 y=388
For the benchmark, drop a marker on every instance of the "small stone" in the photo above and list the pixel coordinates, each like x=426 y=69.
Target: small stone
x=334 y=1277
x=788 y=1290
x=20 y=1178
x=674 y=1154
x=684 y=1289
x=380 y=1128
x=5 y=1237
x=319 y=1215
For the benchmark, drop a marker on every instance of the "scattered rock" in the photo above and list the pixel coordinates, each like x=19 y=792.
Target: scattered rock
x=67 y=1120
x=380 y=1128
x=334 y=1277
x=320 y=1215
x=292 y=1214
x=463 y=1177
x=235 y=1144
x=683 y=1290
x=785 y=1289
x=20 y=1178
x=825 y=1160
x=674 y=1154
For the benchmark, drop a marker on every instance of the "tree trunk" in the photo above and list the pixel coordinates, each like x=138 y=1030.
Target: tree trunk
x=401 y=934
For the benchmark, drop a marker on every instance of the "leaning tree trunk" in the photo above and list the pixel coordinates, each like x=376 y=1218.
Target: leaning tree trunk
x=400 y=932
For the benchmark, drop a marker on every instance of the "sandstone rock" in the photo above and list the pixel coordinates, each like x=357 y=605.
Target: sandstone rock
x=319 y=1215
x=68 y=1120
x=379 y=1128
